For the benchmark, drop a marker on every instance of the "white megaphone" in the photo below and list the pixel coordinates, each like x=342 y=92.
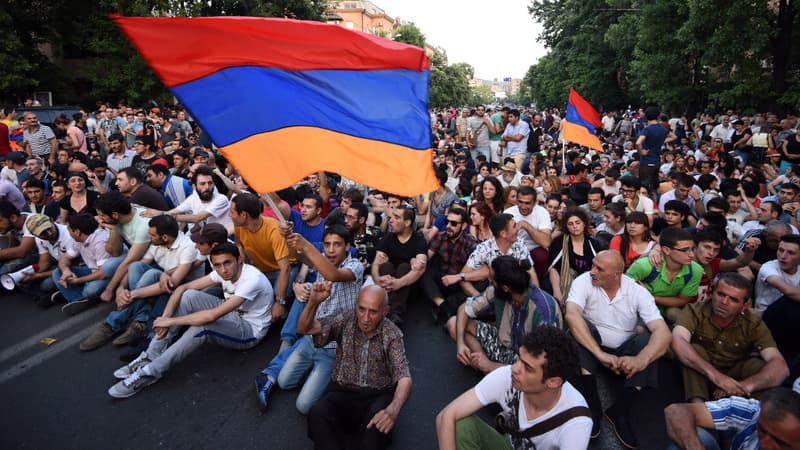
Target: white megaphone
x=10 y=280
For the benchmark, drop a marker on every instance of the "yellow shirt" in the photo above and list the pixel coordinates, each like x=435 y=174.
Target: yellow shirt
x=265 y=246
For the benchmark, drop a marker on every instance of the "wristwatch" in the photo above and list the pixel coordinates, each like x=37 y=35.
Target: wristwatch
x=282 y=302
x=463 y=276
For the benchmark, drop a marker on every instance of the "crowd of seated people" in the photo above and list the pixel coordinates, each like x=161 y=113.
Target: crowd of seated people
x=548 y=267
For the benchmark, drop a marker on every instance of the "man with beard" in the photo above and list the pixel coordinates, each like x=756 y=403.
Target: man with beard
x=400 y=260
x=205 y=205
x=448 y=251
x=479 y=127
x=715 y=341
x=365 y=238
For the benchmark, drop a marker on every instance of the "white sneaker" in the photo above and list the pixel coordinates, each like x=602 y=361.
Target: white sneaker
x=128 y=370
x=131 y=385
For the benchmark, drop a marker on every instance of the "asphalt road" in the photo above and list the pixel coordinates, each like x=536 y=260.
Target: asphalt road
x=54 y=397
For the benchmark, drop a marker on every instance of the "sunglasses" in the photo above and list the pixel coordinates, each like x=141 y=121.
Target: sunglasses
x=454 y=223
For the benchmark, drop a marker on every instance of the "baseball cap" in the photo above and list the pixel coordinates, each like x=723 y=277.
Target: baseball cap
x=773 y=152
x=212 y=232
x=202 y=153
x=38 y=224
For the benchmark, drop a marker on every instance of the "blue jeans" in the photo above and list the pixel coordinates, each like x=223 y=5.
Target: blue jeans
x=706 y=438
x=75 y=292
x=140 y=310
x=303 y=358
x=289 y=330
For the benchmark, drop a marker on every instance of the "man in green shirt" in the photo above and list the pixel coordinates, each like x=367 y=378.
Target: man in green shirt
x=675 y=282
x=498 y=121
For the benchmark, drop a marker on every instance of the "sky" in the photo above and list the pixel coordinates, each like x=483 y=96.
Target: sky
x=497 y=38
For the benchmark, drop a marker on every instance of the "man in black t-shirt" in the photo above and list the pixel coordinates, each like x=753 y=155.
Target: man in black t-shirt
x=144 y=153
x=400 y=260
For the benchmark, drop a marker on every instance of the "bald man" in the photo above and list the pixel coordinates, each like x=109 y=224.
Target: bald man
x=603 y=309
x=371 y=379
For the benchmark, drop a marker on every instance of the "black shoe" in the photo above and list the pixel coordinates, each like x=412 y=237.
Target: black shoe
x=79 y=306
x=440 y=314
x=622 y=428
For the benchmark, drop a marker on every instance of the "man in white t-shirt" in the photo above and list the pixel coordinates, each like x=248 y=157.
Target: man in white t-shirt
x=239 y=320
x=535 y=227
x=604 y=308
x=778 y=296
x=534 y=389
x=205 y=205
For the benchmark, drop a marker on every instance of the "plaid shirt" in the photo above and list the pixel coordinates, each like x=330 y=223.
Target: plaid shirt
x=363 y=362
x=453 y=255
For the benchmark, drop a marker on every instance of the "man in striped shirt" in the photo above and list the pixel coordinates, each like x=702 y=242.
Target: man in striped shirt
x=38 y=140
x=771 y=423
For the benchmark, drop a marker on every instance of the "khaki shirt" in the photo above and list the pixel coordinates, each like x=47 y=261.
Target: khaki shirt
x=726 y=347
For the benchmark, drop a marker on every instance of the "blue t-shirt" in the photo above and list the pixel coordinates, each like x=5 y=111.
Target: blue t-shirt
x=654 y=136
x=312 y=234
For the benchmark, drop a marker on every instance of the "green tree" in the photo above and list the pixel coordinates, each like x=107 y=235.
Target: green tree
x=72 y=48
x=408 y=33
x=680 y=54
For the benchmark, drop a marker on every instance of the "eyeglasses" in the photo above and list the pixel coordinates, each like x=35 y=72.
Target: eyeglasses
x=628 y=191
x=683 y=250
x=454 y=223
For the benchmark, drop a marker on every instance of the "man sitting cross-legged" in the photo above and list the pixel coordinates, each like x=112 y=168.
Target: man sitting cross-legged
x=532 y=391
x=371 y=380
x=603 y=310
x=80 y=285
x=725 y=347
x=239 y=320
x=519 y=306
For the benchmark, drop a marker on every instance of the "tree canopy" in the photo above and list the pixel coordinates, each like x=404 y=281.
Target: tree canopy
x=684 y=55
x=72 y=48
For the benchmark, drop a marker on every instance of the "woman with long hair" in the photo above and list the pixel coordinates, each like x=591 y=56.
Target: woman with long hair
x=691 y=162
x=550 y=185
x=636 y=240
x=490 y=191
x=510 y=196
x=680 y=165
x=571 y=255
x=479 y=215
x=441 y=198
x=726 y=167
